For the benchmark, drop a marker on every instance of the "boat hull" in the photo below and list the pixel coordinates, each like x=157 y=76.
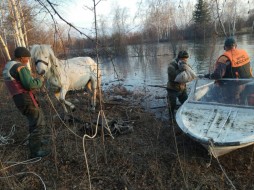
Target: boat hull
x=217 y=151
x=221 y=129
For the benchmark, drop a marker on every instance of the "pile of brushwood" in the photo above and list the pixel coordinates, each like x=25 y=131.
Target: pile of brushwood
x=119 y=147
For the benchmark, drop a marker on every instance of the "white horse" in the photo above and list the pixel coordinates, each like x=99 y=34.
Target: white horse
x=71 y=74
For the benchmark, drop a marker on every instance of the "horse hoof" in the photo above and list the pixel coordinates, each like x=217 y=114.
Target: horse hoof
x=73 y=109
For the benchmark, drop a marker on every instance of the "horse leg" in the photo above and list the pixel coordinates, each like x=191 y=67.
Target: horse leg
x=65 y=102
x=91 y=86
x=62 y=99
x=57 y=95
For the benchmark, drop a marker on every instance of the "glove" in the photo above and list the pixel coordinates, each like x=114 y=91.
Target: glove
x=201 y=76
x=182 y=65
x=42 y=79
x=43 y=91
x=208 y=76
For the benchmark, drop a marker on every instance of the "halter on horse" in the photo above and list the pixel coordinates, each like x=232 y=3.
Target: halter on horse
x=71 y=74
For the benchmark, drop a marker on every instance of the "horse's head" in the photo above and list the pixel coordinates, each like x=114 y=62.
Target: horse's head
x=42 y=56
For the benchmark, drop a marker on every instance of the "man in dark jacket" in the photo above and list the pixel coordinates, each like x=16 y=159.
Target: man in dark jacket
x=20 y=83
x=176 y=89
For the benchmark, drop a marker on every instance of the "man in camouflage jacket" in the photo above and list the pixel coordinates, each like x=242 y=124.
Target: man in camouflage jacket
x=20 y=84
x=175 y=89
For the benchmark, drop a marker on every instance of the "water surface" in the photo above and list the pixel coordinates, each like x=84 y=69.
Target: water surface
x=139 y=73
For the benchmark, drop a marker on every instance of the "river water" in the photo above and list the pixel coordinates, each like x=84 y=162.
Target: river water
x=141 y=73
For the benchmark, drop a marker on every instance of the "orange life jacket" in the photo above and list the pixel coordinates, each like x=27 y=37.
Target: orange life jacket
x=237 y=57
x=240 y=64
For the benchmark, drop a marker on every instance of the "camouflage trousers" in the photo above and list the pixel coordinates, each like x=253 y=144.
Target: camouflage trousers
x=39 y=139
x=172 y=98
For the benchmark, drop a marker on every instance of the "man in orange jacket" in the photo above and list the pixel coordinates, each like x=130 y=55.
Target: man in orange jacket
x=233 y=63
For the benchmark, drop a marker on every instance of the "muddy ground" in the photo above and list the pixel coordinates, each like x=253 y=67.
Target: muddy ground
x=143 y=152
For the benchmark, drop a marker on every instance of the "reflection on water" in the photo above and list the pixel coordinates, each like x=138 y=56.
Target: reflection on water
x=140 y=72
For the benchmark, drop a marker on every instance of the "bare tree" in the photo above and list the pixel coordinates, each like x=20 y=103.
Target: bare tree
x=5 y=48
x=227 y=13
x=119 y=30
x=13 y=26
x=15 y=11
x=3 y=40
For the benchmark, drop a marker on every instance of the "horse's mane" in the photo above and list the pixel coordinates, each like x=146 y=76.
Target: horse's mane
x=44 y=49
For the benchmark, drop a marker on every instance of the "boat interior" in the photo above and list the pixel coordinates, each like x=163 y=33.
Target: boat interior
x=234 y=92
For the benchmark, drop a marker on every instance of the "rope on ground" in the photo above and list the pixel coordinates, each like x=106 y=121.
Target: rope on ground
x=101 y=113
x=29 y=161
x=91 y=137
x=177 y=152
x=4 y=140
x=23 y=173
x=211 y=146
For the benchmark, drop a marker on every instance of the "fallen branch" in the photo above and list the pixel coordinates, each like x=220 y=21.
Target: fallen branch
x=115 y=103
x=157 y=107
x=158 y=86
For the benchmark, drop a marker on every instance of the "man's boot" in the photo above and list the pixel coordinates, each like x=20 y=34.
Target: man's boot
x=37 y=144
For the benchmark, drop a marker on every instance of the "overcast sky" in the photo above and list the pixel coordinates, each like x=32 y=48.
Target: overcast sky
x=77 y=12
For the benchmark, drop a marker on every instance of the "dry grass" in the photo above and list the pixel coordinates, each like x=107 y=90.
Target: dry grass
x=150 y=157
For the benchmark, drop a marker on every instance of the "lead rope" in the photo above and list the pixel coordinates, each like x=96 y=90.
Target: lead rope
x=177 y=151
x=211 y=146
x=83 y=138
x=50 y=101
x=101 y=112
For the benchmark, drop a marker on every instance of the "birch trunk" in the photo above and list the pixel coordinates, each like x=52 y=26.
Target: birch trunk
x=15 y=27
x=5 y=48
x=17 y=22
x=16 y=12
x=219 y=17
x=24 y=23
x=234 y=21
x=3 y=38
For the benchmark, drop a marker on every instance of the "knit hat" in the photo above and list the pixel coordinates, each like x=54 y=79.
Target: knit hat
x=229 y=42
x=183 y=54
x=21 y=52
